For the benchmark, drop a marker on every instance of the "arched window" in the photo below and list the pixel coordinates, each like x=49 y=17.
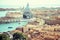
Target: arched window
x=24 y=16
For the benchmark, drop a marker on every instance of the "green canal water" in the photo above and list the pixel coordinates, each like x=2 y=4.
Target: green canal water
x=6 y=27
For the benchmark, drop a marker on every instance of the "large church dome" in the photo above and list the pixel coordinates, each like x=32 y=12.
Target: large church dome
x=27 y=13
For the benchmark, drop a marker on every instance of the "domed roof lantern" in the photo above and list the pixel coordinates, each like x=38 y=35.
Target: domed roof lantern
x=27 y=8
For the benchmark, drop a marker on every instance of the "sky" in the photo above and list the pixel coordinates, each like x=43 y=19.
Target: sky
x=32 y=3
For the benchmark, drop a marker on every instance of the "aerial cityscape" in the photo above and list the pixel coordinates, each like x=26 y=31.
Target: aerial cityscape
x=29 y=21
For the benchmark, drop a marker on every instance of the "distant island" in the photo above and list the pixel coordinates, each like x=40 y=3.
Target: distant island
x=5 y=9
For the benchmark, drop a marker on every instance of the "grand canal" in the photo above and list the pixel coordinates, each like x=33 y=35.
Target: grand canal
x=10 y=26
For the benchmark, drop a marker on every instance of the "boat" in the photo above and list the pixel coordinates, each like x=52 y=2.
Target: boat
x=10 y=27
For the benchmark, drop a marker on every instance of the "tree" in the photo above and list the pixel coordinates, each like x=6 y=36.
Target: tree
x=19 y=36
x=4 y=37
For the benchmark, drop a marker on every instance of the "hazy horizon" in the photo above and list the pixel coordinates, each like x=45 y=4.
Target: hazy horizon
x=32 y=3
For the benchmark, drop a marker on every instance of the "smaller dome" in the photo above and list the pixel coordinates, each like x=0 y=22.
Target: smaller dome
x=41 y=21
